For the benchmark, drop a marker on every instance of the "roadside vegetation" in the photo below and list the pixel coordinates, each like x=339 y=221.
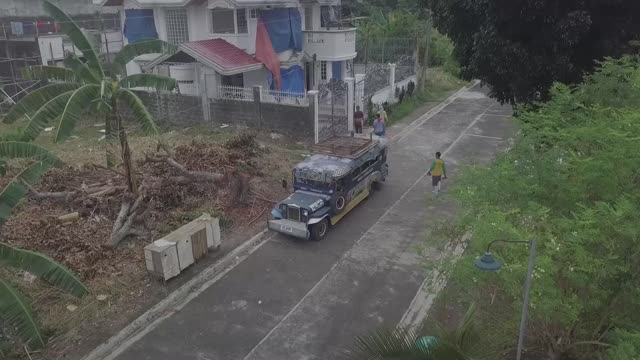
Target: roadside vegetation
x=570 y=181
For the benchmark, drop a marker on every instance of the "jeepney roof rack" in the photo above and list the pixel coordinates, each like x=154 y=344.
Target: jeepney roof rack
x=350 y=147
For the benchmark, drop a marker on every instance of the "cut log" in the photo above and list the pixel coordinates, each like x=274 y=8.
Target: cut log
x=69 y=217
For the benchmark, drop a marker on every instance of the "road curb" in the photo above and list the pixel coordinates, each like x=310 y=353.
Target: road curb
x=175 y=301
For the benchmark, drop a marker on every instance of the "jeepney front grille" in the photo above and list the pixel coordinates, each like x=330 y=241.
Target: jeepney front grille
x=293 y=213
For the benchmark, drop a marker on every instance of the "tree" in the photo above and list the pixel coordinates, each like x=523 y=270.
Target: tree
x=464 y=342
x=14 y=308
x=521 y=47
x=90 y=87
x=571 y=182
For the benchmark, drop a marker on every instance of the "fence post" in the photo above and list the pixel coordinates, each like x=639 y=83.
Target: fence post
x=350 y=101
x=201 y=86
x=257 y=101
x=392 y=83
x=313 y=102
x=359 y=91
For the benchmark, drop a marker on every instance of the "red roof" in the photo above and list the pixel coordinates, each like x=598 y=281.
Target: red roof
x=221 y=54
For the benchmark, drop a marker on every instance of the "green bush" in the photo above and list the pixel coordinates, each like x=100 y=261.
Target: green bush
x=570 y=181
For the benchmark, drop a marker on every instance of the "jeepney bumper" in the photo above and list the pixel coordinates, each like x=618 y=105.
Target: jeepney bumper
x=289 y=227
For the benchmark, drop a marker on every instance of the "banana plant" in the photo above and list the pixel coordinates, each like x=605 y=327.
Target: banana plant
x=88 y=86
x=19 y=184
x=14 y=307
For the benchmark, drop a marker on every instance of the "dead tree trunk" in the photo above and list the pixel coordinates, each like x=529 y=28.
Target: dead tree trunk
x=123 y=226
x=125 y=151
x=110 y=136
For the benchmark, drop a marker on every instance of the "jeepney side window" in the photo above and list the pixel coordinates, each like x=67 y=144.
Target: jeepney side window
x=340 y=185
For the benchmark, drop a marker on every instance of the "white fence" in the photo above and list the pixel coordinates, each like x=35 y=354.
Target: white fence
x=235 y=93
x=284 y=97
x=268 y=96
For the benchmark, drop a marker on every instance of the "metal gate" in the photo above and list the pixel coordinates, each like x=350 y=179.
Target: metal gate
x=332 y=109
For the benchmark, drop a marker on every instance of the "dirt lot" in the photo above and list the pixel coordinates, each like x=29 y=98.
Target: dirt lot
x=121 y=288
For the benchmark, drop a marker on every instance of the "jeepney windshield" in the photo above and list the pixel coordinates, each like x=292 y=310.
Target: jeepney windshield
x=312 y=185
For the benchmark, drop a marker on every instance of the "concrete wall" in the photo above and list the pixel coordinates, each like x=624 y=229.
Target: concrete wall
x=384 y=95
x=290 y=120
x=171 y=109
x=185 y=111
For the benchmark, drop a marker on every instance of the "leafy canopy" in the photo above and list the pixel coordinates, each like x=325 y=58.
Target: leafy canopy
x=521 y=47
x=571 y=182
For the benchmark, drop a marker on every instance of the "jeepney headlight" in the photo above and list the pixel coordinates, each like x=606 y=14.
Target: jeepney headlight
x=283 y=210
x=305 y=215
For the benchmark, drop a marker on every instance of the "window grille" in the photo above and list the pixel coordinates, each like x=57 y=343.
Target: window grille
x=177 y=26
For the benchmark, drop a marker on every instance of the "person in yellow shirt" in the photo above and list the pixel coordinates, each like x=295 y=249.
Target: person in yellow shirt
x=438 y=171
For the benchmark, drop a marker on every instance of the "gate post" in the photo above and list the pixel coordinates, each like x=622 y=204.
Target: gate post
x=392 y=83
x=257 y=103
x=350 y=101
x=359 y=97
x=313 y=101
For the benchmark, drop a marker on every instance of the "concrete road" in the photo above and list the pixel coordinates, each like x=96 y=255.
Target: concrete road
x=308 y=300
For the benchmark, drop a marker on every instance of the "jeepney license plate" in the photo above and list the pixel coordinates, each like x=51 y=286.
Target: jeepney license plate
x=286 y=228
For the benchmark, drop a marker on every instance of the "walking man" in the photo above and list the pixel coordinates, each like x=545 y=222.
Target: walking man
x=437 y=172
x=358 y=120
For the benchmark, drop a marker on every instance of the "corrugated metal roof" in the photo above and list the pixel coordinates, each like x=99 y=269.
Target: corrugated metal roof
x=223 y=54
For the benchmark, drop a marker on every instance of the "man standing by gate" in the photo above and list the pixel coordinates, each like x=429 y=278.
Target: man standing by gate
x=358 y=120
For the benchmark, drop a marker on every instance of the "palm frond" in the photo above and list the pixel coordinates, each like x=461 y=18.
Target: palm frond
x=16 y=310
x=81 y=69
x=140 y=112
x=45 y=114
x=73 y=108
x=77 y=36
x=466 y=338
x=54 y=73
x=25 y=150
x=153 y=81
x=15 y=190
x=387 y=344
x=44 y=267
x=131 y=51
x=28 y=105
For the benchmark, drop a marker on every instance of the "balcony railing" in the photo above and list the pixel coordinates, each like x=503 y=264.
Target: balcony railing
x=331 y=45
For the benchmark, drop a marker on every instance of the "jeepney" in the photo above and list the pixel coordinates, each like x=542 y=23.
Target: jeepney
x=340 y=174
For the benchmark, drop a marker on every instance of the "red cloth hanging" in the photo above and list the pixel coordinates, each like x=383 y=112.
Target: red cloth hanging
x=266 y=54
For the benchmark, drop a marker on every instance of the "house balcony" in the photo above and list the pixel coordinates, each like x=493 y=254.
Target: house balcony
x=330 y=45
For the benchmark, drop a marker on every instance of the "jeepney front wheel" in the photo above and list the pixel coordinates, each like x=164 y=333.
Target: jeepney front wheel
x=319 y=230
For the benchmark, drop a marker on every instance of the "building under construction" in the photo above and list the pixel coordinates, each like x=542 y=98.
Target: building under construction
x=28 y=36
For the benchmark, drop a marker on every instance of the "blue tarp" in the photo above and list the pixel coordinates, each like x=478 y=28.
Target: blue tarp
x=336 y=70
x=284 y=26
x=139 y=25
x=292 y=80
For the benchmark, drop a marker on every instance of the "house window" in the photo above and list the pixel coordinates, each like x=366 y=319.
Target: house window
x=177 y=25
x=236 y=80
x=308 y=18
x=222 y=21
x=326 y=16
x=253 y=13
x=241 y=19
x=323 y=70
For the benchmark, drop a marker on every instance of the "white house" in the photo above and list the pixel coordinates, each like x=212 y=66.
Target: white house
x=217 y=42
